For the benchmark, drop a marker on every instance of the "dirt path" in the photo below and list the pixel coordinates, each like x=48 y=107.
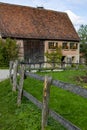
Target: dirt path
x=4 y=74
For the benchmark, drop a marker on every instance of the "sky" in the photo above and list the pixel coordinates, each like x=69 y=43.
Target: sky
x=76 y=9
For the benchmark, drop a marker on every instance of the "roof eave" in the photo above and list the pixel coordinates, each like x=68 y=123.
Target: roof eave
x=41 y=38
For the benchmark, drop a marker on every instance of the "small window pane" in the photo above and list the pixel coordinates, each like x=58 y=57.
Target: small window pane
x=73 y=45
x=65 y=45
x=53 y=45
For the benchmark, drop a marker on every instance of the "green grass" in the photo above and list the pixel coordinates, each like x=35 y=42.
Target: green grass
x=1 y=68
x=68 y=76
x=70 y=106
x=26 y=117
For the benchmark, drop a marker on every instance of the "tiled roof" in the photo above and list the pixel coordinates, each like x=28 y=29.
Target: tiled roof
x=28 y=22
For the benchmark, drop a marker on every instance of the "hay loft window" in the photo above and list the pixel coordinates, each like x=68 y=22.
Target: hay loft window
x=65 y=45
x=73 y=45
x=52 y=45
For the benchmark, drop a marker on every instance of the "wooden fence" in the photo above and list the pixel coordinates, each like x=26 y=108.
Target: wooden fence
x=48 y=81
x=44 y=66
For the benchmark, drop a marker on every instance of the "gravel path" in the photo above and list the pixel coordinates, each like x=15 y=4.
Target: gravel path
x=4 y=74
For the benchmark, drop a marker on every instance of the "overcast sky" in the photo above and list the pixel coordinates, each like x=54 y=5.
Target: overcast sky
x=76 y=9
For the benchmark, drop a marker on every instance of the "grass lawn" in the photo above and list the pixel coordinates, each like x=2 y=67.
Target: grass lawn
x=26 y=117
x=70 y=106
x=68 y=76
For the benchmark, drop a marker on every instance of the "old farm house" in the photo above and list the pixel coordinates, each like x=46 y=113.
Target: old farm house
x=38 y=30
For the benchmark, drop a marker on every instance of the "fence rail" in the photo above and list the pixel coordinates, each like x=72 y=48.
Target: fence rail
x=67 y=124
x=66 y=86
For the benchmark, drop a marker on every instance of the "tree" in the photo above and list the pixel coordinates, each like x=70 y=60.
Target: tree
x=2 y=52
x=83 y=43
x=12 y=49
x=8 y=51
x=55 y=56
x=83 y=33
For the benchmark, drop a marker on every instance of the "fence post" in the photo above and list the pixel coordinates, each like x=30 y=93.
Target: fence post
x=77 y=65
x=10 y=71
x=20 y=88
x=15 y=75
x=46 y=95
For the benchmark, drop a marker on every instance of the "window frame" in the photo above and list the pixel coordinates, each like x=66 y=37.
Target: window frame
x=73 y=45
x=52 y=45
x=65 y=47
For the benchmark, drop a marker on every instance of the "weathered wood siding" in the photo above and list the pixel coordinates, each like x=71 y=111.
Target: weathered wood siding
x=34 y=50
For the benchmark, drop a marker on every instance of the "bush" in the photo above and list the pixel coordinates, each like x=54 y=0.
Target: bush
x=8 y=51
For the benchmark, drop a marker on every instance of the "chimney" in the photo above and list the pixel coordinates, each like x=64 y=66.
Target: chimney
x=40 y=7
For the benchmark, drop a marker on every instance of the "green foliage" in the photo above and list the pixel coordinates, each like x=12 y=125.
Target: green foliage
x=8 y=51
x=25 y=117
x=54 y=56
x=83 y=33
x=83 y=50
x=83 y=43
x=69 y=105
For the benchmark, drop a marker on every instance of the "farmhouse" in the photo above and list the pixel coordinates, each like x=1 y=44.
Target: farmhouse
x=38 y=30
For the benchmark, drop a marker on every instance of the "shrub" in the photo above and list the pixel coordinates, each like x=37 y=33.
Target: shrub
x=8 y=51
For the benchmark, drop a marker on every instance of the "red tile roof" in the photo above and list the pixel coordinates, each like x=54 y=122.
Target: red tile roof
x=28 y=22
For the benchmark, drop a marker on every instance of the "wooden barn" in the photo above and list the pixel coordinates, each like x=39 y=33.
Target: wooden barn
x=38 y=30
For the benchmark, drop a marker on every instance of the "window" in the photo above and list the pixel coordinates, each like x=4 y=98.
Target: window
x=73 y=45
x=53 y=45
x=65 y=45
